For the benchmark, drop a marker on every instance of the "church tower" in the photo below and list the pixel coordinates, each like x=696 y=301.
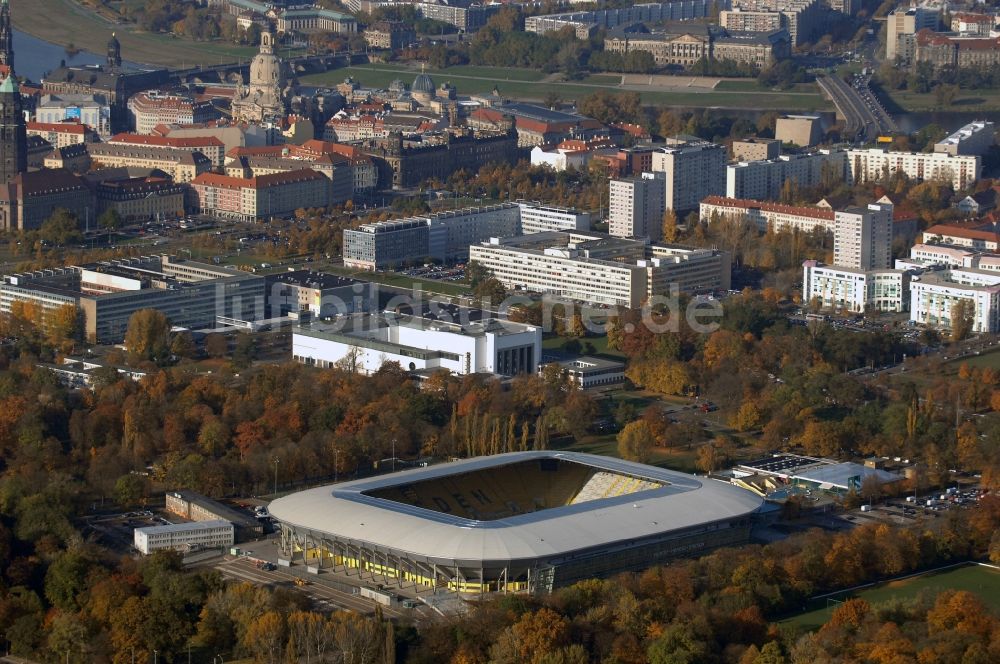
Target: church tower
x=114 y=52
x=13 y=140
x=6 y=35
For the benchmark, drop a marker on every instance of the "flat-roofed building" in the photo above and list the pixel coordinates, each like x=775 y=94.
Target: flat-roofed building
x=763 y=180
x=692 y=169
x=587 y=372
x=538 y=218
x=601 y=269
x=841 y=288
x=318 y=293
x=193 y=506
x=635 y=206
x=756 y=149
x=91 y=110
x=366 y=342
x=443 y=236
x=184 y=537
x=974 y=138
x=933 y=296
x=874 y=164
x=804 y=131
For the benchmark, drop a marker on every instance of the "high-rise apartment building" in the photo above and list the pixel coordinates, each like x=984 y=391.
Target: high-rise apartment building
x=908 y=21
x=636 y=206
x=692 y=169
x=862 y=237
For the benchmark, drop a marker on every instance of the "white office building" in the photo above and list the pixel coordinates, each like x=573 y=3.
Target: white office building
x=692 y=169
x=538 y=218
x=442 y=236
x=862 y=237
x=559 y=159
x=600 y=269
x=852 y=290
x=876 y=164
x=933 y=296
x=636 y=206
x=974 y=138
x=185 y=536
x=91 y=110
x=363 y=343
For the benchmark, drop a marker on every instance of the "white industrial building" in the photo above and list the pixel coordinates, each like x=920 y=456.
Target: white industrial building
x=587 y=372
x=185 y=536
x=539 y=218
x=974 y=138
x=636 y=206
x=600 y=269
x=363 y=343
x=875 y=164
x=934 y=294
x=560 y=159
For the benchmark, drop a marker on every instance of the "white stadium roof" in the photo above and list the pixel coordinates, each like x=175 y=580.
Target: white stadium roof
x=344 y=512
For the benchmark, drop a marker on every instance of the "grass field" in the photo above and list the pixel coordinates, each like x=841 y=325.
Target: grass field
x=983 y=581
x=531 y=85
x=64 y=21
x=967 y=100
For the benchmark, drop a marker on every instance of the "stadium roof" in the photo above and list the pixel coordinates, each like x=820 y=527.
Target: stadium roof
x=345 y=512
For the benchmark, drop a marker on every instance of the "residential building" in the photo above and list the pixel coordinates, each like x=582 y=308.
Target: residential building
x=586 y=23
x=467 y=19
x=180 y=165
x=601 y=269
x=934 y=294
x=764 y=180
x=73 y=158
x=636 y=207
x=195 y=507
x=184 y=537
x=981 y=237
x=210 y=146
x=764 y=215
x=389 y=34
x=803 y=19
x=94 y=111
x=875 y=164
x=443 y=236
x=248 y=199
x=539 y=218
x=756 y=149
x=974 y=138
x=37 y=148
x=804 y=131
x=902 y=22
x=155 y=107
x=973 y=25
x=862 y=237
x=365 y=342
x=190 y=294
x=692 y=169
x=61 y=134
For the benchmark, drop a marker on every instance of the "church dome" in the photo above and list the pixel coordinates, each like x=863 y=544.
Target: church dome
x=423 y=83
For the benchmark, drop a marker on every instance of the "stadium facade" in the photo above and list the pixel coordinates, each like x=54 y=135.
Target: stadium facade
x=518 y=522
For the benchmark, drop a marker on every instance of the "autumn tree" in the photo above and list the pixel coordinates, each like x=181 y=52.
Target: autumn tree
x=147 y=337
x=635 y=441
x=962 y=317
x=669 y=226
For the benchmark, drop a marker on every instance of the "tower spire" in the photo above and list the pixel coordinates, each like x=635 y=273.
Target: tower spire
x=13 y=139
x=6 y=35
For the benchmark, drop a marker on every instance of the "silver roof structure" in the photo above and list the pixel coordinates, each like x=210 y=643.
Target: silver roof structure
x=345 y=512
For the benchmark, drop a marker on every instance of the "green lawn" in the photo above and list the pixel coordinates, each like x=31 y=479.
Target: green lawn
x=967 y=100
x=980 y=580
x=64 y=21
x=989 y=359
x=528 y=84
x=600 y=345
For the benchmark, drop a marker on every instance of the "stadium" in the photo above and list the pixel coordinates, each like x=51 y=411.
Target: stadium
x=518 y=522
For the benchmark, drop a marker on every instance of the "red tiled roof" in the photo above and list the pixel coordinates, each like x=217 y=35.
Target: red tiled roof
x=274 y=179
x=167 y=141
x=69 y=127
x=957 y=231
x=802 y=211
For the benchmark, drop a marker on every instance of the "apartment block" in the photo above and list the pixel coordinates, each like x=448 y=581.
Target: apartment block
x=874 y=164
x=975 y=138
x=247 y=199
x=934 y=294
x=763 y=180
x=636 y=206
x=766 y=215
x=756 y=149
x=862 y=237
x=692 y=169
x=538 y=218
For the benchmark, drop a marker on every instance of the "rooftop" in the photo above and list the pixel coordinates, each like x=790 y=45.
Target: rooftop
x=184 y=527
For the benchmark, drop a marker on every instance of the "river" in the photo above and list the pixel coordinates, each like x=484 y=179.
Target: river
x=34 y=57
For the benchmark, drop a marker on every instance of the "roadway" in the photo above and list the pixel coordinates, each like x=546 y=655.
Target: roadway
x=863 y=115
x=324 y=598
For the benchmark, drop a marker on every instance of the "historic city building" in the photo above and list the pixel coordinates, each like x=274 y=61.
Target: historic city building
x=271 y=86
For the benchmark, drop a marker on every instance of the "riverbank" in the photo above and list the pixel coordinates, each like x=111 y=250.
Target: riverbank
x=64 y=22
x=533 y=85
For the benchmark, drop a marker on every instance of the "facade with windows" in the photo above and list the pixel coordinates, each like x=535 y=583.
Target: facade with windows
x=185 y=536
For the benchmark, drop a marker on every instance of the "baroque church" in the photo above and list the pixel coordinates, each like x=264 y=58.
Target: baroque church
x=272 y=85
